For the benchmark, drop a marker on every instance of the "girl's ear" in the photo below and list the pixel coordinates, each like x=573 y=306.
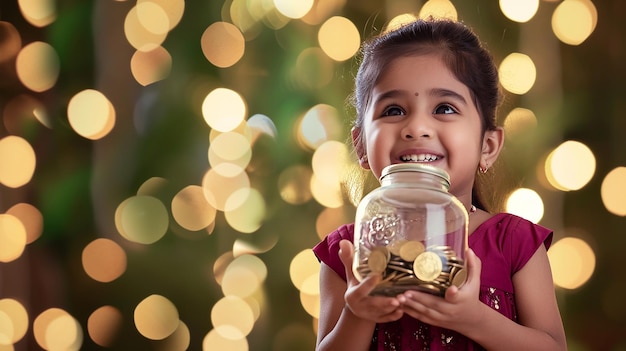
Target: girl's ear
x=357 y=142
x=493 y=141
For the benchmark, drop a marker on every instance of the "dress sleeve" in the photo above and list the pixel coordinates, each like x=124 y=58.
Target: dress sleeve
x=524 y=239
x=327 y=250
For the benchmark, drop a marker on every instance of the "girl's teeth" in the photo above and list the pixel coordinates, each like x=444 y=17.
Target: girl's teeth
x=419 y=158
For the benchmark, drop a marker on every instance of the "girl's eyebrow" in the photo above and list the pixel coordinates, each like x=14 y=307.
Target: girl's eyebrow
x=441 y=92
x=389 y=95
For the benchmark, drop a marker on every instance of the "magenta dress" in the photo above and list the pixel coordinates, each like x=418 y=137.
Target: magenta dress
x=504 y=243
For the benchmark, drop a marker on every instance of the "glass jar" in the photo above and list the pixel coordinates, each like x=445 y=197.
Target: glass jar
x=412 y=231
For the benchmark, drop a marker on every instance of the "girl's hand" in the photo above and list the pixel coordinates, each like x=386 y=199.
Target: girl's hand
x=459 y=308
x=379 y=309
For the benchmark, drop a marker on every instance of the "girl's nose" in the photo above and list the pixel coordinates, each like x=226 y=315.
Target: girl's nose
x=416 y=128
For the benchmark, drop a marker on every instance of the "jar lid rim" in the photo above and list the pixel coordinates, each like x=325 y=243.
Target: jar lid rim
x=416 y=167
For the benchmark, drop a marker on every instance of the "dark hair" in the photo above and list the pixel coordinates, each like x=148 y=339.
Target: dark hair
x=461 y=51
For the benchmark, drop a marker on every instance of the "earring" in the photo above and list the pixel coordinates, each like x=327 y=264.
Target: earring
x=483 y=170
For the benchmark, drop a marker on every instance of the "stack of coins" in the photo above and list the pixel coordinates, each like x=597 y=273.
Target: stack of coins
x=408 y=265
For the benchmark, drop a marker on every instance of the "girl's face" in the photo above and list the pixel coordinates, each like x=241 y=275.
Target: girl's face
x=419 y=112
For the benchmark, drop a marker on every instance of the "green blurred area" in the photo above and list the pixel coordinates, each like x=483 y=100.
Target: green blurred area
x=78 y=183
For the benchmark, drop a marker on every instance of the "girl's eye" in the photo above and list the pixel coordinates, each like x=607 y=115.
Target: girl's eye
x=393 y=111
x=445 y=110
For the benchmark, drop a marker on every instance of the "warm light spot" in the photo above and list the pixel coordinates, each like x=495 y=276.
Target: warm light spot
x=18 y=161
x=19 y=111
x=223 y=44
x=519 y=10
x=152 y=66
x=339 y=38
x=572 y=261
x=13 y=323
x=294 y=184
x=218 y=188
x=517 y=73
x=55 y=329
x=293 y=9
x=320 y=124
x=303 y=266
x=10 y=41
x=153 y=17
x=174 y=9
x=31 y=218
x=224 y=109
x=573 y=21
x=233 y=311
x=241 y=247
x=138 y=35
x=245 y=210
x=613 y=191
x=38 y=66
x=142 y=219
x=328 y=194
x=439 y=9
x=39 y=13
x=261 y=125
x=525 y=203
x=230 y=147
x=12 y=238
x=91 y=114
x=104 y=260
x=329 y=161
x=156 y=317
x=243 y=276
x=399 y=21
x=311 y=301
x=153 y=186
x=331 y=218
x=313 y=68
x=570 y=166
x=178 y=341
x=191 y=210
x=321 y=10
x=104 y=325
x=214 y=340
x=520 y=120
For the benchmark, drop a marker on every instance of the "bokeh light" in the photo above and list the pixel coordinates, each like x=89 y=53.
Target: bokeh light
x=13 y=321
x=104 y=325
x=156 y=317
x=56 y=329
x=138 y=35
x=570 y=166
x=294 y=184
x=12 y=238
x=234 y=312
x=519 y=10
x=38 y=66
x=525 y=203
x=439 y=9
x=104 y=260
x=245 y=210
x=31 y=218
x=215 y=340
x=339 y=38
x=224 y=109
x=520 y=120
x=142 y=219
x=223 y=44
x=573 y=21
x=399 y=21
x=39 y=13
x=320 y=123
x=191 y=210
x=572 y=261
x=151 y=66
x=613 y=191
x=293 y=9
x=19 y=111
x=91 y=114
x=517 y=73
x=11 y=41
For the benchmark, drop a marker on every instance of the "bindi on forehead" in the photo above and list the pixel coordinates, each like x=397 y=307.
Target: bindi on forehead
x=416 y=94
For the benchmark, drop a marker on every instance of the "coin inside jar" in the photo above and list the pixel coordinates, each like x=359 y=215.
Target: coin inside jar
x=377 y=260
x=410 y=250
x=427 y=266
x=459 y=277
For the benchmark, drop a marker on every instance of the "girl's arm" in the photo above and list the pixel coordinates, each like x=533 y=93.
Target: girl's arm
x=339 y=327
x=540 y=326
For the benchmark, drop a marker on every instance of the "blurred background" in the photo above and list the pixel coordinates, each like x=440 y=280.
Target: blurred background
x=167 y=166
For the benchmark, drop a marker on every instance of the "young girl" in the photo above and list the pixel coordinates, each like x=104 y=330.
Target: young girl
x=427 y=92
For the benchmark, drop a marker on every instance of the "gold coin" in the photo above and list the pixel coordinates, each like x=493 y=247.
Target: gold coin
x=459 y=277
x=427 y=266
x=378 y=258
x=410 y=250
x=395 y=246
